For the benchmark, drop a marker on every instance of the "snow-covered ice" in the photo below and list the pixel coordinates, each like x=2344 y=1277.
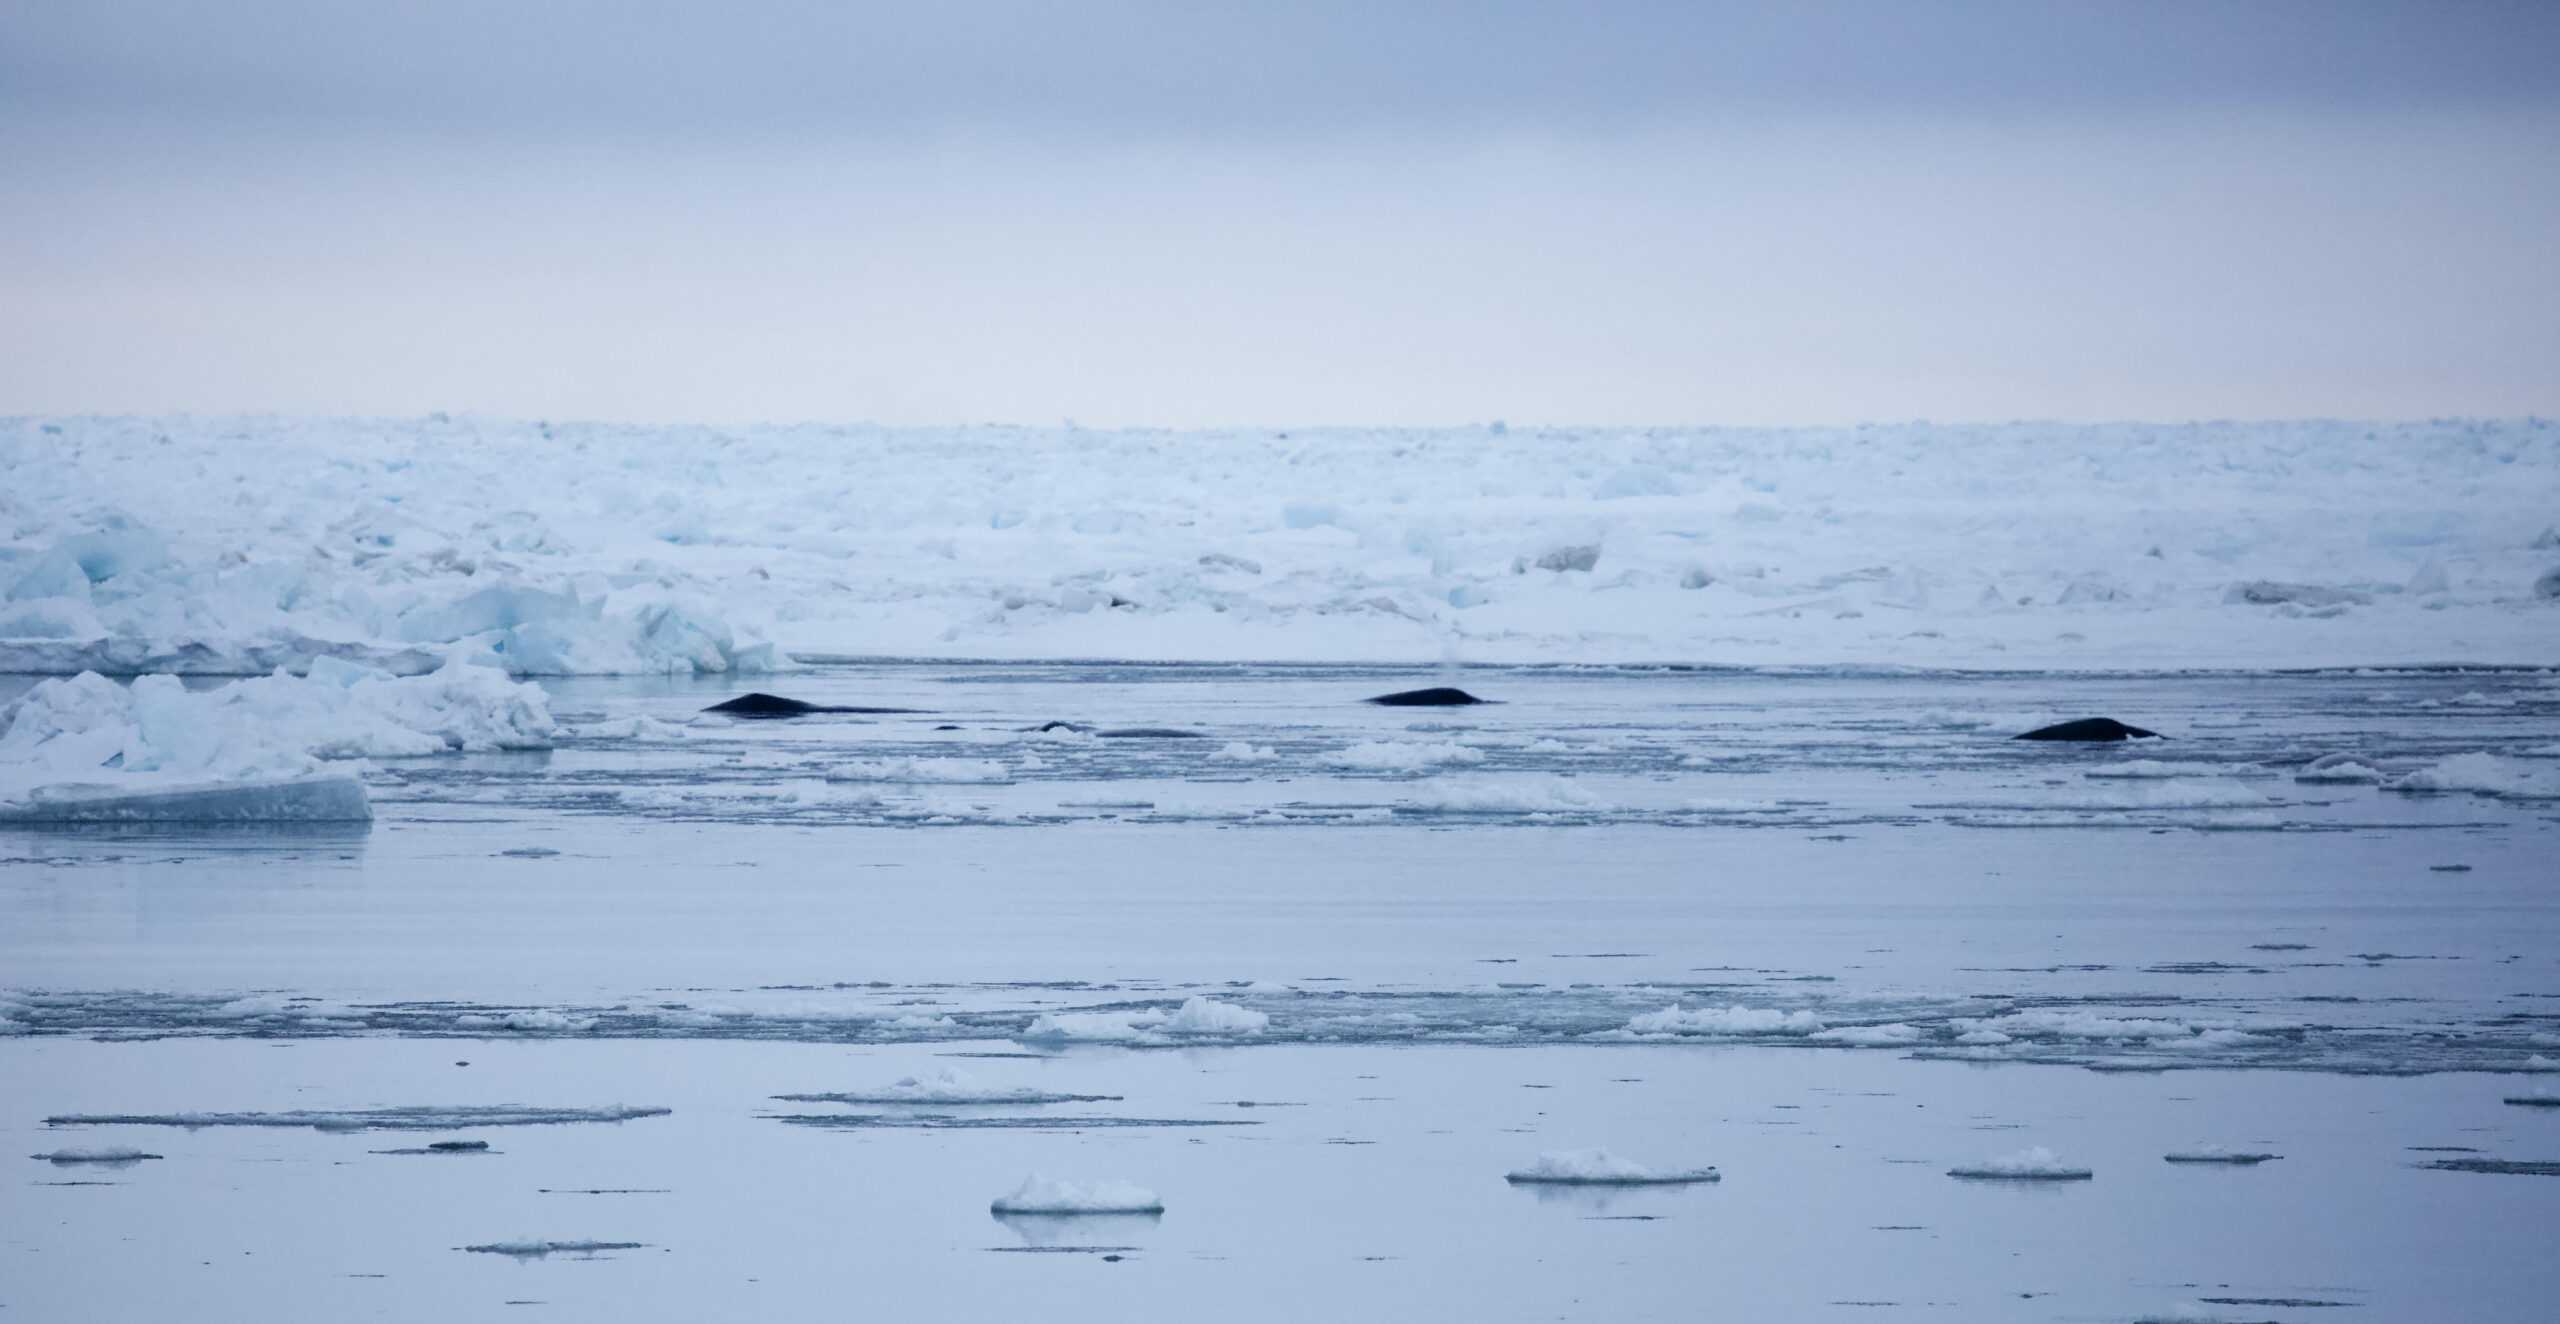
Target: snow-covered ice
x=1599 y=1167
x=1039 y=1195
x=85 y=748
x=117 y=1155
x=949 y=1086
x=2033 y=1164
x=236 y=545
x=1724 y=1021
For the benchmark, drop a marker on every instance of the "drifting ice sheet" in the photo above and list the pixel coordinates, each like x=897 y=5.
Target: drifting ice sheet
x=1599 y=1167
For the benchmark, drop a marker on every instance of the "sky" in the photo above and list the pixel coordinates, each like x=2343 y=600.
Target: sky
x=1205 y=214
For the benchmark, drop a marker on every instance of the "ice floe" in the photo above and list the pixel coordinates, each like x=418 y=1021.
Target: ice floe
x=535 y=1250
x=948 y=1086
x=1735 y=1020
x=1197 y=1017
x=1406 y=756
x=369 y=1119
x=87 y=749
x=1038 y=1195
x=1599 y=1167
x=2483 y=774
x=113 y=1155
x=2035 y=1164
x=2219 y=1154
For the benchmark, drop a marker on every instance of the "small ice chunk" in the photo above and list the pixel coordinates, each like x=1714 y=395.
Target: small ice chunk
x=371 y=1119
x=1895 y=1035
x=1237 y=751
x=2036 y=1164
x=1202 y=1015
x=1038 y=1195
x=1599 y=1167
x=2218 y=1154
x=950 y=1085
x=116 y=1154
x=1406 y=756
x=2339 y=769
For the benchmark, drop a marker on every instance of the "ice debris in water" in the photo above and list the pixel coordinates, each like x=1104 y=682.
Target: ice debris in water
x=921 y=770
x=643 y=728
x=2218 y=1154
x=950 y=1085
x=1599 y=1167
x=2036 y=1164
x=156 y=737
x=1197 y=1017
x=2340 y=769
x=2155 y=769
x=2540 y=1097
x=1037 y=1195
x=2482 y=774
x=117 y=1154
x=370 y=1119
x=1237 y=751
x=1724 y=1020
x=1406 y=756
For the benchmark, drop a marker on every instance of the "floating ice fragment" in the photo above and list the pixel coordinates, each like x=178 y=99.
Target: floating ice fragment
x=2341 y=769
x=921 y=770
x=372 y=1119
x=1406 y=756
x=1237 y=751
x=2036 y=1164
x=2218 y=1154
x=1724 y=1020
x=1037 y=1195
x=1872 y=1036
x=534 y=1250
x=950 y=1085
x=2482 y=774
x=1201 y=1015
x=1599 y=1167
x=119 y=1156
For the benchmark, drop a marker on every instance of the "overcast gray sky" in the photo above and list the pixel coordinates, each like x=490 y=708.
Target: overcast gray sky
x=1207 y=213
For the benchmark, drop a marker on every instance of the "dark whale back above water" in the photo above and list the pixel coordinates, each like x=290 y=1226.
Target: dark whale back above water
x=1438 y=696
x=774 y=705
x=2090 y=728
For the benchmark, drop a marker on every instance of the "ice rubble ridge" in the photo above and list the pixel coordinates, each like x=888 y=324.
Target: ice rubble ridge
x=1978 y=1029
x=575 y=548
x=84 y=747
x=119 y=598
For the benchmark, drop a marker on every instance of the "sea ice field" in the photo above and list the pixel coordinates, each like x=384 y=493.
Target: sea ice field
x=1092 y=991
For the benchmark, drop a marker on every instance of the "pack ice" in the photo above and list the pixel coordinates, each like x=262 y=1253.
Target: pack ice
x=84 y=749
x=231 y=546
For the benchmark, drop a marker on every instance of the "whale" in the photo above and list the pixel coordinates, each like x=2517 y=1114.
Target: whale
x=2089 y=728
x=774 y=705
x=1438 y=696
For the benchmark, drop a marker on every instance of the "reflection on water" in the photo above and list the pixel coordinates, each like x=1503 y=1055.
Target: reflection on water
x=1088 y=1232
